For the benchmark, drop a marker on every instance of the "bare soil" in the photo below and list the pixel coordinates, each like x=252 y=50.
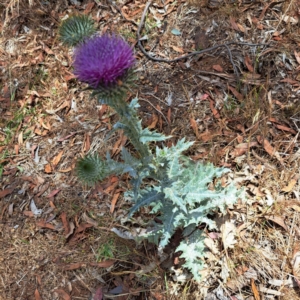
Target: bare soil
x=249 y=123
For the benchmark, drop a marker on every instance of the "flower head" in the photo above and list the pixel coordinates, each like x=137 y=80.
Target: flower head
x=103 y=60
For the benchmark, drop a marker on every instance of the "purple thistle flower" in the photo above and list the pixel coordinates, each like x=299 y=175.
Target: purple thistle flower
x=102 y=60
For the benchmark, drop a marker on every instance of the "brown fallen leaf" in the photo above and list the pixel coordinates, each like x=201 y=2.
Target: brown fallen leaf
x=62 y=294
x=295 y=207
x=218 y=68
x=37 y=295
x=194 y=126
x=241 y=27
x=76 y=238
x=255 y=190
x=207 y=136
x=71 y=231
x=297 y=56
x=89 y=220
x=86 y=143
x=47 y=127
x=53 y=193
x=5 y=192
x=57 y=158
x=238 y=95
x=278 y=220
x=291 y=81
x=119 y=144
x=285 y=128
x=178 y=49
x=254 y=290
x=290 y=186
x=269 y=149
x=66 y=137
x=48 y=169
x=98 y=295
x=65 y=222
x=233 y=24
x=65 y=170
x=82 y=227
x=73 y=266
x=296 y=263
x=242 y=148
x=169 y=115
x=28 y=213
x=43 y=224
x=103 y=264
x=111 y=187
x=154 y=121
x=214 y=111
x=248 y=63
x=113 y=202
x=88 y=7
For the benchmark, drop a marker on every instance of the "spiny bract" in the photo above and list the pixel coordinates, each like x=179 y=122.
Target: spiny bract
x=91 y=169
x=76 y=30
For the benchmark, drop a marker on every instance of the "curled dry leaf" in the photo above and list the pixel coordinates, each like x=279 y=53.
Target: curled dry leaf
x=114 y=201
x=53 y=193
x=249 y=63
x=228 y=231
x=103 y=264
x=37 y=295
x=211 y=245
x=71 y=231
x=43 y=224
x=62 y=294
x=290 y=186
x=48 y=169
x=213 y=109
x=89 y=220
x=73 y=266
x=65 y=222
x=57 y=158
x=269 y=149
x=296 y=263
x=98 y=295
x=297 y=56
x=5 y=192
x=254 y=290
x=194 y=126
x=154 y=120
x=242 y=148
x=218 y=68
x=278 y=220
x=178 y=49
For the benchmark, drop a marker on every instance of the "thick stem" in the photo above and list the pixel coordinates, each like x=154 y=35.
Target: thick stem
x=129 y=119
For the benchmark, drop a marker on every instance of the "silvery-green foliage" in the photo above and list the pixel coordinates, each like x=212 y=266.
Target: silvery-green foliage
x=192 y=248
x=185 y=194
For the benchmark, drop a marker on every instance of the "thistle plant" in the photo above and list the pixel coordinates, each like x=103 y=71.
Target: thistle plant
x=182 y=193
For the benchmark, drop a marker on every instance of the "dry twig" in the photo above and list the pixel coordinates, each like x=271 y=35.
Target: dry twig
x=225 y=45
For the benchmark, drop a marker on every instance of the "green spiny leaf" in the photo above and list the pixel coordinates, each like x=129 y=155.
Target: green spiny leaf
x=148 y=136
x=192 y=249
x=146 y=199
